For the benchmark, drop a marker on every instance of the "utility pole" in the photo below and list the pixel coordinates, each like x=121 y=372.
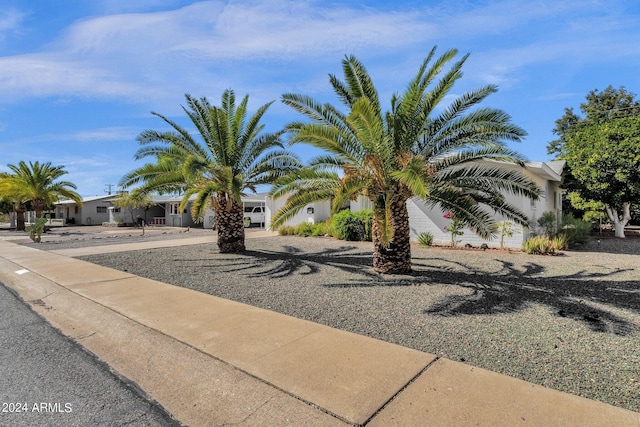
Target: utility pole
x=108 y=188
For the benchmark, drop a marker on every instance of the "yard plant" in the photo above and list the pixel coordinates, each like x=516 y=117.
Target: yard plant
x=36 y=183
x=233 y=157
x=418 y=147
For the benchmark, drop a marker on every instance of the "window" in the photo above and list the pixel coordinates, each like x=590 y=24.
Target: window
x=101 y=209
x=76 y=209
x=174 y=208
x=116 y=210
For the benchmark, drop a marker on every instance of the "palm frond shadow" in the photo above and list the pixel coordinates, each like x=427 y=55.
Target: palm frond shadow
x=581 y=296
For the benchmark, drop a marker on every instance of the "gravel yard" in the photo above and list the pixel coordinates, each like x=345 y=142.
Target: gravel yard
x=569 y=322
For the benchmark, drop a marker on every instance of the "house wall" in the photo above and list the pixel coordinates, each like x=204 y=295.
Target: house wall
x=321 y=212
x=89 y=214
x=426 y=218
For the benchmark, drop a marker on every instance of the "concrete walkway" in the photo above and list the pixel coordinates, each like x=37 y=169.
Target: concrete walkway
x=211 y=361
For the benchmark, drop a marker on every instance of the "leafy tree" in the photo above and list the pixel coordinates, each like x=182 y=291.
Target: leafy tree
x=602 y=150
x=604 y=157
x=233 y=157
x=37 y=183
x=600 y=106
x=416 y=148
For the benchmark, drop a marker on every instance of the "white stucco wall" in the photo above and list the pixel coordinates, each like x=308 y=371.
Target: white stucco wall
x=321 y=212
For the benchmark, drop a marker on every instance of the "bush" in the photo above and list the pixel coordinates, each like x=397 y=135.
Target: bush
x=347 y=227
x=366 y=217
x=304 y=229
x=549 y=223
x=539 y=245
x=425 y=239
x=575 y=230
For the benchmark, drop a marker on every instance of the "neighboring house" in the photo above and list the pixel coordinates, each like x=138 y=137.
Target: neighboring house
x=261 y=208
x=424 y=218
x=166 y=212
x=94 y=210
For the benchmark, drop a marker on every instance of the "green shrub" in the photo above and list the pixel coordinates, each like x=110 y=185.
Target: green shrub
x=304 y=229
x=286 y=230
x=366 y=216
x=576 y=230
x=347 y=226
x=549 y=223
x=320 y=229
x=425 y=239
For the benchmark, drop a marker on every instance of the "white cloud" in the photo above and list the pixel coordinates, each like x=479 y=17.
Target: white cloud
x=209 y=46
x=10 y=21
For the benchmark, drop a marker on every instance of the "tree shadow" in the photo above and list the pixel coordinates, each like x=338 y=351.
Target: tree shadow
x=292 y=260
x=582 y=296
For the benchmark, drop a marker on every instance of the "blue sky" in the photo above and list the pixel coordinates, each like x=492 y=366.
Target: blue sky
x=78 y=79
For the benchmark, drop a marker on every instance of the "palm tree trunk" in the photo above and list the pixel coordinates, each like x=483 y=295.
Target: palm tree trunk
x=20 y=209
x=394 y=257
x=229 y=221
x=38 y=207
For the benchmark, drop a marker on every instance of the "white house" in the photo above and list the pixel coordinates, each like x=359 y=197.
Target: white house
x=94 y=210
x=424 y=218
x=166 y=211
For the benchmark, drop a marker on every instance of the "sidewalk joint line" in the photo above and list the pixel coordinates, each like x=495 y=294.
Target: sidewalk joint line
x=392 y=398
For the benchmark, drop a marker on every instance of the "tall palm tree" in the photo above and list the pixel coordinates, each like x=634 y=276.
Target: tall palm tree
x=37 y=183
x=233 y=157
x=417 y=148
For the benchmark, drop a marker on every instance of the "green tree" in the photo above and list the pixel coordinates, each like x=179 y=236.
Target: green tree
x=601 y=149
x=609 y=104
x=417 y=148
x=233 y=157
x=604 y=158
x=37 y=183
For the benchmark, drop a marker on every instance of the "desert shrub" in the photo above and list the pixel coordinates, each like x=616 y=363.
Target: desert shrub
x=320 y=229
x=560 y=242
x=540 y=245
x=549 y=223
x=347 y=227
x=425 y=239
x=304 y=229
x=575 y=230
x=286 y=230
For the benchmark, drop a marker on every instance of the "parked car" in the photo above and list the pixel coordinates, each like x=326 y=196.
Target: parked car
x=253 y=215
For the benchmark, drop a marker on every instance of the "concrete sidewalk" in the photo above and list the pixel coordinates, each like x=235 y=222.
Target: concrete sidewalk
x=211 y=361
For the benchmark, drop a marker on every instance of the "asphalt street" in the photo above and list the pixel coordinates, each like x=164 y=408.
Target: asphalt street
x=47 y=379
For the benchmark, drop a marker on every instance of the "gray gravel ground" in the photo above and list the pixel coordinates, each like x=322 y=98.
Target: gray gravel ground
x=569 y=322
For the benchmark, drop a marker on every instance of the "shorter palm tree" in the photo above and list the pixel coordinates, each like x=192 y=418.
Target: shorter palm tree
x=233 y=157
x=37 y=183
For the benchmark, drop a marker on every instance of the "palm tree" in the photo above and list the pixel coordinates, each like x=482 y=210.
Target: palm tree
x=232 y=158
x=38 y=184
x=415 y=149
